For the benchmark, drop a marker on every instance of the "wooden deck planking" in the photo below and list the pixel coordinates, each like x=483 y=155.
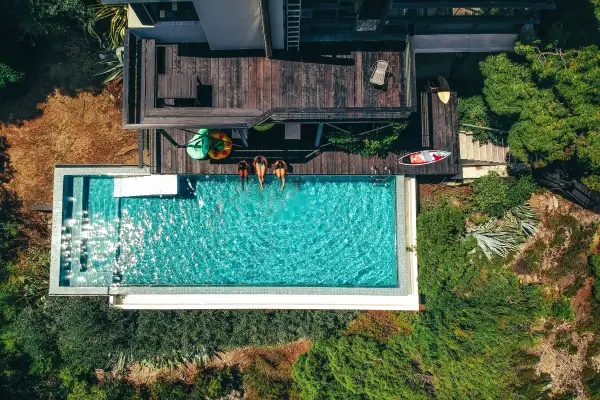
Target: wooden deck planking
x=258 y=83
x=214 y=77
x=267 y=85
x=296 y=86
x=399 y=78
x=172 y=160
x=275 y=83
x=252 y=83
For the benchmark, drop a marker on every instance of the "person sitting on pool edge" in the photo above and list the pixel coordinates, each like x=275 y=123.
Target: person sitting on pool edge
x=242 y=170
x=260 y=165
x=280 y=169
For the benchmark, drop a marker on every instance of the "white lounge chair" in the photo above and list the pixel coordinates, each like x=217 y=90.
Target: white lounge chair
x=379 y=72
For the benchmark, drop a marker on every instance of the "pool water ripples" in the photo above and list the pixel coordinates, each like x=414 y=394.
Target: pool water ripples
x=316 y=232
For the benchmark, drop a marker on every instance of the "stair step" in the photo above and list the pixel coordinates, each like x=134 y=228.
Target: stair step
x=463 y=146
x=476 y=151
x=470 y=149
x=76 y=229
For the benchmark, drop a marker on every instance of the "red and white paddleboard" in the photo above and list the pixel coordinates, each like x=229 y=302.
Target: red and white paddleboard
x=423 y=157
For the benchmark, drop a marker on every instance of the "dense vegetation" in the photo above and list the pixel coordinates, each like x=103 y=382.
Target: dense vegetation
x=544 y=98
x=479 y=323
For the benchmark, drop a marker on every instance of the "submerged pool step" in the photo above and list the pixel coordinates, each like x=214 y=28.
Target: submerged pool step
x=78 y=241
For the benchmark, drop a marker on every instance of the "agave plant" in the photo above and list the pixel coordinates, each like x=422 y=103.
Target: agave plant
x=111 y=57
x=118 y=23
x=501 y=237
x=525 y=218
x=112 y=62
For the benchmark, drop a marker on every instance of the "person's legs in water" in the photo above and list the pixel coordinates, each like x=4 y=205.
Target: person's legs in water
x=280 y=174
x=241 y=174
x=261 y=176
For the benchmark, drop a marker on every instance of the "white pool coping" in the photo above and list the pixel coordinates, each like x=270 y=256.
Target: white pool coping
x=185 y=297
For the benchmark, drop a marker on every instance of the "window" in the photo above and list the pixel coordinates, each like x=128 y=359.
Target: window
x=172 y=11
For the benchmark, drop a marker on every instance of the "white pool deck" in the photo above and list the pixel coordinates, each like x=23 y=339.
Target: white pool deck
x=181 y=297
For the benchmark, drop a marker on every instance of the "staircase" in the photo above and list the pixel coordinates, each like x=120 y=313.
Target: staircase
x=293 y=14
x=474 y=153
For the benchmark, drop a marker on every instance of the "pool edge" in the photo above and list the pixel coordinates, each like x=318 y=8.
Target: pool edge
x=244 y=298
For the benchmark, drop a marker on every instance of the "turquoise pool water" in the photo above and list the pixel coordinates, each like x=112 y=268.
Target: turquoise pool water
x=319 y=231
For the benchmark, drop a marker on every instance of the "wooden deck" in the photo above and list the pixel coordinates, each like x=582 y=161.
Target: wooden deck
x=258 y=83
x=179 y=86
x=169 y=159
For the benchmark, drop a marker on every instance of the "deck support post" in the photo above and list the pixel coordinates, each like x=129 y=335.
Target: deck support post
x=266 y=27
x=319 y=134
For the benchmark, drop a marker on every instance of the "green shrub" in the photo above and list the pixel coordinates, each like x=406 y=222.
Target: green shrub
x=354 y=367
x=31 y=330
x=575 y=286
x=579 y=238
x=495 y=195
x=591 y=382
x=214 y=383
x=594 y=262
x=533 y=255
x=474 y=111
x=8 y=75
x=110 y=389
x=265 y=379
x=520 y=189
x=591 y=181
x=563 y=309
x=375 y=143
x=490 y=194
x=169 y=390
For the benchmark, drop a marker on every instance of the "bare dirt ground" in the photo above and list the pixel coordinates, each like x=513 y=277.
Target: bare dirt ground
x=244 y=356
x=565 y=369
x=454 y=194
x=285 y=354
x=85 y=129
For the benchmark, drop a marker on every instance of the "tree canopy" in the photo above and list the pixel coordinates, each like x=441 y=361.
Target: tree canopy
x=551 y=100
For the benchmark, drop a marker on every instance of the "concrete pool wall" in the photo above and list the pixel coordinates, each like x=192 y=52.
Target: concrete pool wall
x=403 y=297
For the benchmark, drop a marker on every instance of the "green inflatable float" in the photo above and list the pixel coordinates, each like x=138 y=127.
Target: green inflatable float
x=199 y=146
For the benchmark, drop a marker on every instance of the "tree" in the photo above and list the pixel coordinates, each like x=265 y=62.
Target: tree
x=38 y=18
x=355 y=367
x=552 y=97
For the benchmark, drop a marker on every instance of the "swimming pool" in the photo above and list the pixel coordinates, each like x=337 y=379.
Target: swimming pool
x=318 y=232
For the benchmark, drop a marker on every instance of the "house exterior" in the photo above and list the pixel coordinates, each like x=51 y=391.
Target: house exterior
x=237 y=63
x=301 y=24
x=231 y=65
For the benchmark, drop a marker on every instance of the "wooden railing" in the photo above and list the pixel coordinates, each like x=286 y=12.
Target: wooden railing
x=131 y=79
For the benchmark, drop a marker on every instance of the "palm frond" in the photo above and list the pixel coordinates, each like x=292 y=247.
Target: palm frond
x=501 y=237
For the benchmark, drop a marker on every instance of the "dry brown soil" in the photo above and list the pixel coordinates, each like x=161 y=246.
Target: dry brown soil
x=85 y=129
x=242 y=357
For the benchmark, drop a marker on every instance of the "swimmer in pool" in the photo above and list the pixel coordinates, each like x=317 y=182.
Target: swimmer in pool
x=280 y=168
x=242 y=169
x=260 y=165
